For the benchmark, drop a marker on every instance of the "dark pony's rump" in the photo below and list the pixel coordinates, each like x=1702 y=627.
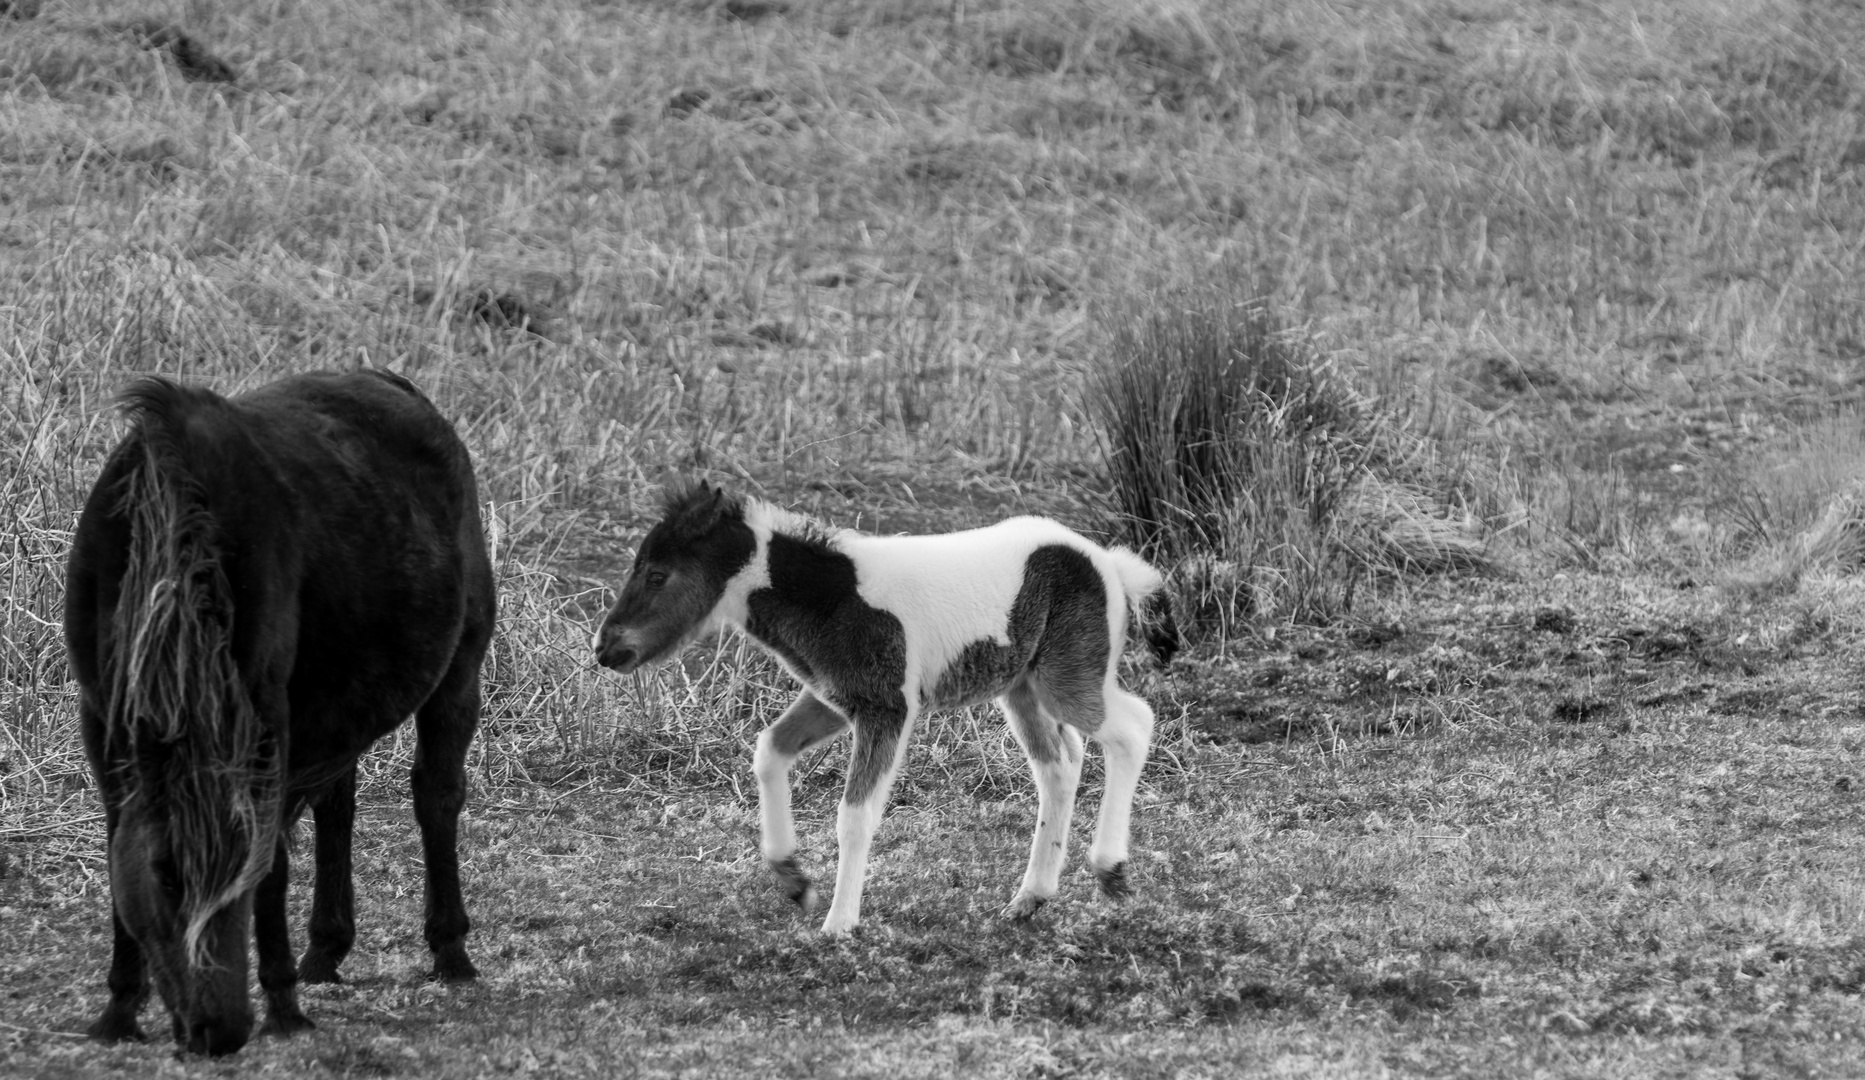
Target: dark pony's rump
x=259 y=588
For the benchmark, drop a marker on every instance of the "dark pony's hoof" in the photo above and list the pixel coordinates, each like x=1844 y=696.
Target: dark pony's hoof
x=794 y=883
x=452 y=966
x=1114 y=881
x=286 y=1022
x=315 y=968
x=115 y=1026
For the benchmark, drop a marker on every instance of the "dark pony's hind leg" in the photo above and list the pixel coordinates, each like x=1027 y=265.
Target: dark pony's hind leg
x=278 y=974
x=333 y=896
x=444 y=727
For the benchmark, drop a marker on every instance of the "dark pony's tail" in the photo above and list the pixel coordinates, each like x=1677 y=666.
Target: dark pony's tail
x=201 y=754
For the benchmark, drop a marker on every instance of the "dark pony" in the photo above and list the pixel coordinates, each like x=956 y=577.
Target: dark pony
x=260 y=587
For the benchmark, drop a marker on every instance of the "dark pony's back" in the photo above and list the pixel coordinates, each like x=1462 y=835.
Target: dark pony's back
x=259 y=588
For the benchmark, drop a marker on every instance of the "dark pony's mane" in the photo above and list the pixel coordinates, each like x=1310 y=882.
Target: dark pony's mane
x=174 y=697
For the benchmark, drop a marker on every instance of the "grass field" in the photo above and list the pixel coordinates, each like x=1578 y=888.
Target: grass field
x=1593 y=812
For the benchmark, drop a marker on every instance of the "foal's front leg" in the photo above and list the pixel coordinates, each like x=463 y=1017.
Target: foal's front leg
x=809 y=721
x=880 y=737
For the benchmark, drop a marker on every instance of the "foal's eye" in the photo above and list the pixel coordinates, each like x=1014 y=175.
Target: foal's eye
x=656 y=578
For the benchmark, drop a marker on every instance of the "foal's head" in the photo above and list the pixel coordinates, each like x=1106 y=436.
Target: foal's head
x=679 y=576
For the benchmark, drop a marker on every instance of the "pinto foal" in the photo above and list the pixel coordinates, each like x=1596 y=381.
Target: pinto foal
x=879 y=630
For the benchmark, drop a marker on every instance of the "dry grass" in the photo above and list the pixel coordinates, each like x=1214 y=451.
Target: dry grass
x=848 y=254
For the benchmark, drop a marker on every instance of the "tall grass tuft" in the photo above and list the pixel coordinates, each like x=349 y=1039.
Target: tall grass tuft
x=1799 y=511
x=1249 y=462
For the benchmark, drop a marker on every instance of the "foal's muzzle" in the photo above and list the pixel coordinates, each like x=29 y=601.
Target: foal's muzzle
x=614 y=652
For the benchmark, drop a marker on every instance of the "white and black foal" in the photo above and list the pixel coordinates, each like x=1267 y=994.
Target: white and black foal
x=881 y=629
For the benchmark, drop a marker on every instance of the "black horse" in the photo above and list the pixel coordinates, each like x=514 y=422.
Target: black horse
x=260 y=587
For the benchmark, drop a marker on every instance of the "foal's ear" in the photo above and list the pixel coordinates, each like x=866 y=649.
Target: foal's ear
x=709 y=507
x=695 y=509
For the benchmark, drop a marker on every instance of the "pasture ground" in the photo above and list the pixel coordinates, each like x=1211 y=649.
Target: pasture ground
x=1595 y=815
x=1581 y=828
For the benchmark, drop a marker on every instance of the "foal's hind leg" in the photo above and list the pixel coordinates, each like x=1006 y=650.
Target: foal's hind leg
x=333 y=894
x=1054 y=751
x=1124 y=735
x=443 y=731
x=806 y=723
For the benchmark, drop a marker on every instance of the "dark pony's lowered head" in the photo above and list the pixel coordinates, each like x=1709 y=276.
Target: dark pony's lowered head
x=680 y=575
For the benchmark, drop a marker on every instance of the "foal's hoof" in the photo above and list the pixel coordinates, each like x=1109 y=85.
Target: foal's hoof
x=794 y=883
x=1114 y=881
x=317 y=968
x=1024 y=906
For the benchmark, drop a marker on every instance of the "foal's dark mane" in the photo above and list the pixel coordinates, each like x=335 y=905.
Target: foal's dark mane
x=692 y=508
x=174 y=693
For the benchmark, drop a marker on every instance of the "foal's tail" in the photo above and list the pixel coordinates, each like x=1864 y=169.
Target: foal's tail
x=1146 y=598
x=199 y=749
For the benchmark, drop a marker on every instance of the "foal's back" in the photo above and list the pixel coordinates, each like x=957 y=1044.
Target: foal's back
x=956 y=590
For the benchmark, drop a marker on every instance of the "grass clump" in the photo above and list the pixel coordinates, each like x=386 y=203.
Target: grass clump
x=1795 y=513
x=1251 y=462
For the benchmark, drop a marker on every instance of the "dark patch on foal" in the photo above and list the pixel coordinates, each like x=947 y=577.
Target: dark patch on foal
x=806 y=723
x=981 y=671
x=851 y=653
x=813 y=616
x=1058 y=639
x=1041 y=736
